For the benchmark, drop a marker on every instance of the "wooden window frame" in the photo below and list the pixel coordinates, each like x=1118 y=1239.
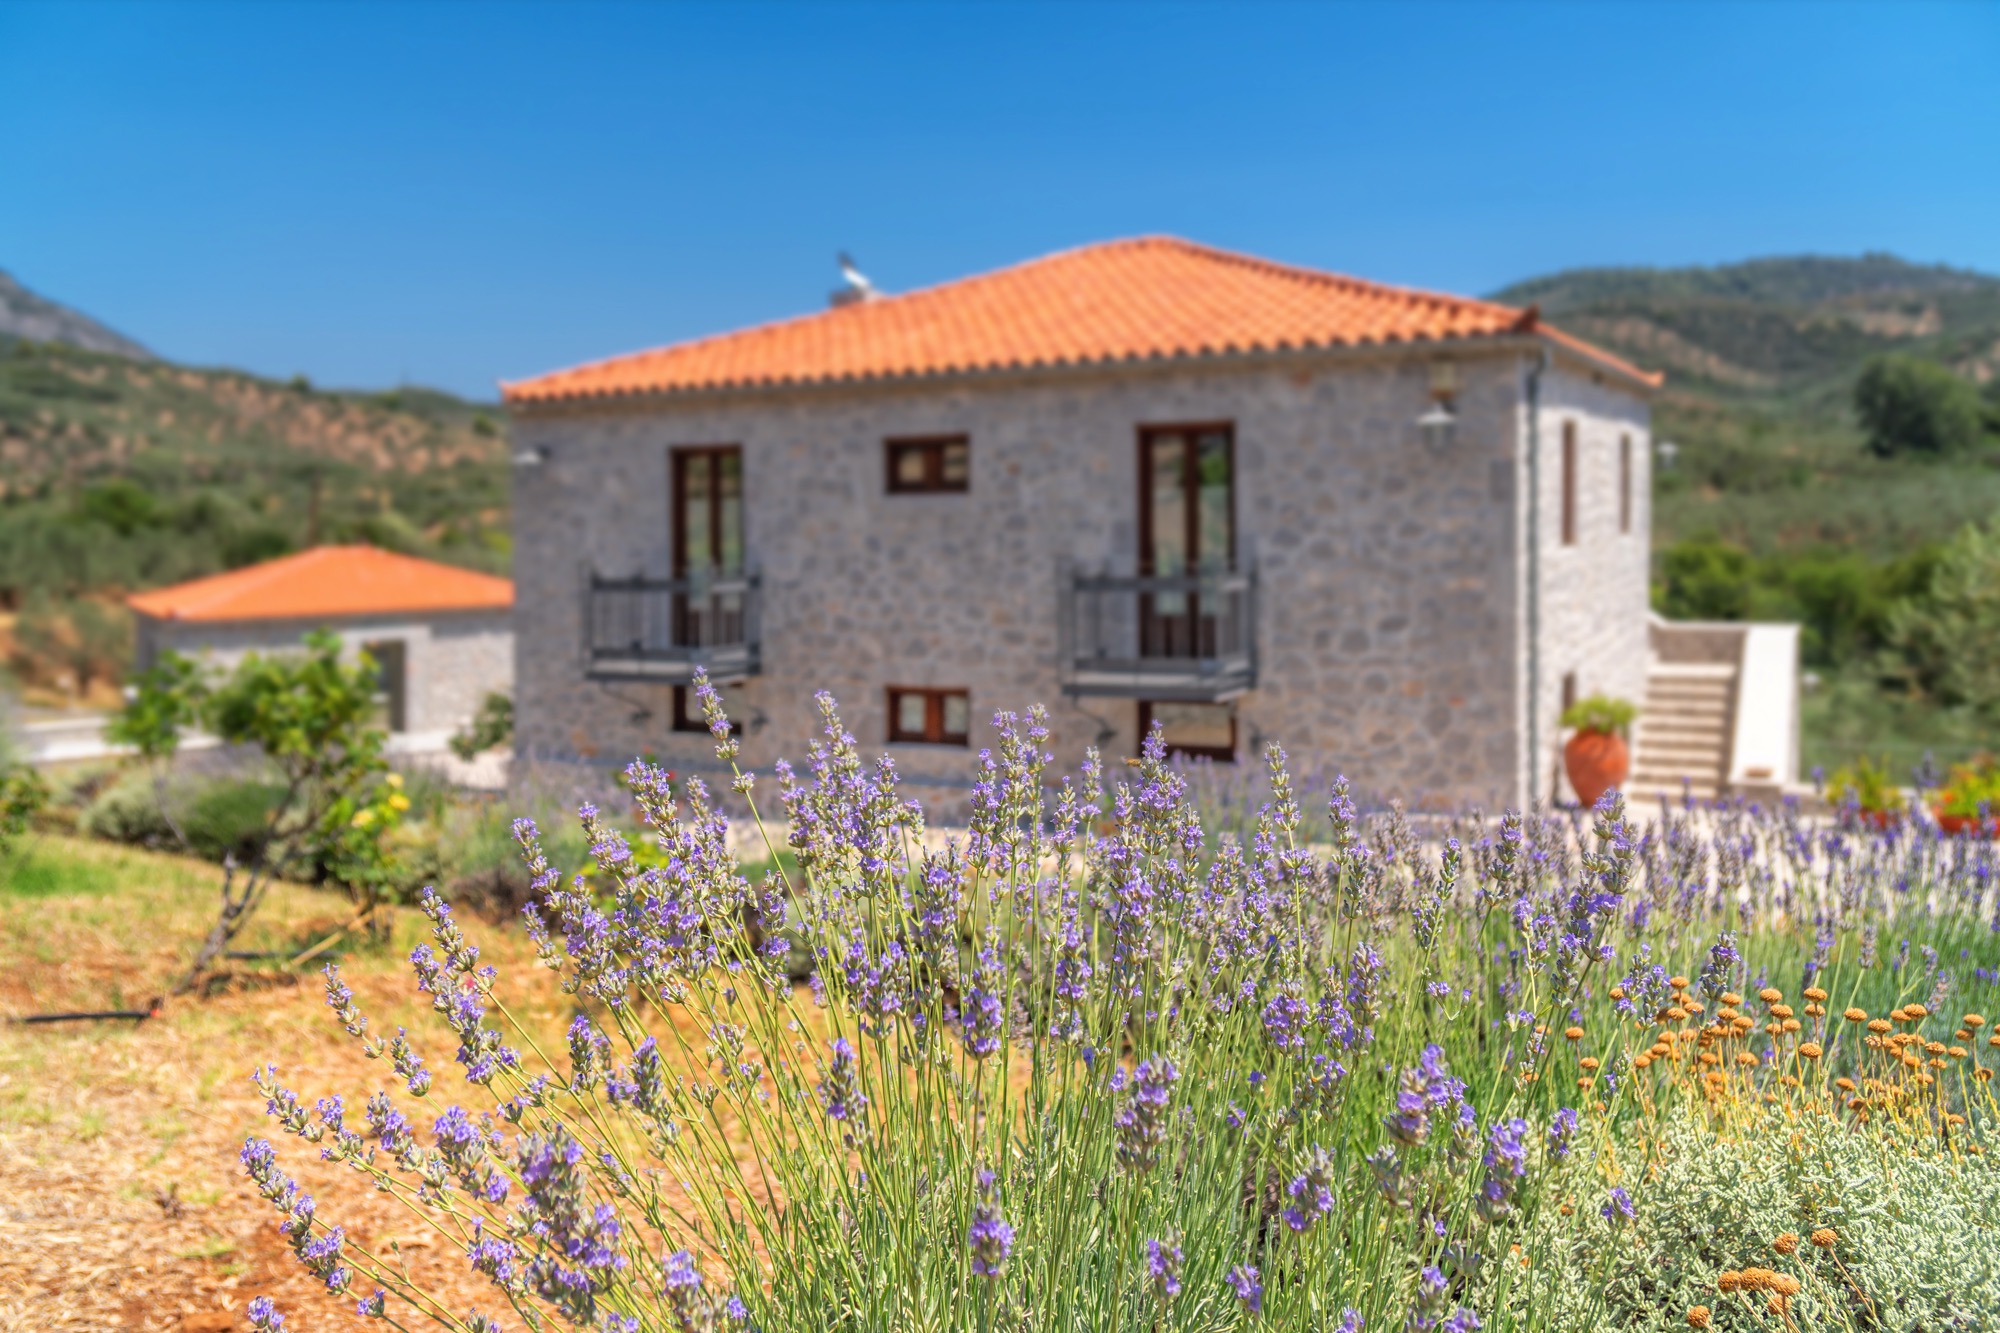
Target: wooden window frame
x=933 y=732
x=933 y=448
x=678 y=458
x=1625 y=484
x=1569 y=483
x=688 y=718
x=1214 y=752
x=1190 y=487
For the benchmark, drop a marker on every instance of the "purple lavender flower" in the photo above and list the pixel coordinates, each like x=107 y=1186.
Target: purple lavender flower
x=1248 y=1286
x=1163 y=1268
x=1350 y=1321
x=989 y=1238
x=1562 y=1132
x=373 y=1307
x=982 y=1017
x=1618 y=1207
x=1142 y=1122
x=1720 y=969
x=1506 y=1161
x=840 y=1091
x=1284 y=1023
x=264 y=1316
x=1461 y=1321
x=1311 y=1191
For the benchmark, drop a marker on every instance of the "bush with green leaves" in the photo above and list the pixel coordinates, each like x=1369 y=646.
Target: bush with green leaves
x=1602 y=714
x=1912 y=406
x=491 y=726
x=308 y=714
x=1091 y=1067
x=1946 y=638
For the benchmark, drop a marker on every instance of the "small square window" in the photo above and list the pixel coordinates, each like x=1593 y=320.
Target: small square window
x=1199 y=731
x=930 y=716
x=929 y=465
x=687 y=713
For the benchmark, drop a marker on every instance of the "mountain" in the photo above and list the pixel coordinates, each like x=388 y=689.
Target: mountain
x=26 y=315
x=1782 y=327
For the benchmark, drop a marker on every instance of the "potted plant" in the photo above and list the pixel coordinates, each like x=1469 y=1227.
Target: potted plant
x=1596 y=755
x=1865 y=785
x=1970 y=800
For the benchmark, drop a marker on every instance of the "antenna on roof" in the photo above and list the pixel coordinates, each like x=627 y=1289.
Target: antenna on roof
x=858 y=287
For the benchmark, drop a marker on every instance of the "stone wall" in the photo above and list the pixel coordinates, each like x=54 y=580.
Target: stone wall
x=1388 y=636
x=452 y=660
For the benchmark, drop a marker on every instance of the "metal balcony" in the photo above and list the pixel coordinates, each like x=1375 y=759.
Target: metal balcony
x=1186 y=637
x=664 y=629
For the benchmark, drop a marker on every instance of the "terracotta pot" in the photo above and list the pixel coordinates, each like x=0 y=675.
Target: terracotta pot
x=1597 y=761
x=1966 y=825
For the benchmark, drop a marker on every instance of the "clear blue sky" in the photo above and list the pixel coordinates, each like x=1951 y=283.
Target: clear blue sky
x=456 y=193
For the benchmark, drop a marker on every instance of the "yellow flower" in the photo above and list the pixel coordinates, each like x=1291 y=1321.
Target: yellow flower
x=1770 y=995
x=363 y=818
x=1916 y=1011
x=1810 y=1050
x=1856 y=1015
x=1731 y=997
x=394 y=780
x=1698 y=1317
x=1815 y=994
x=1787 y=1243
x=398 y=802
x=1573 y=1033
x=1678 y=983
x=1825 y=1238
x=1973 y=1020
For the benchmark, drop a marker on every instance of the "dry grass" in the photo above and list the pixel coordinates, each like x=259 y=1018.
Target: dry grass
x=122 y=1205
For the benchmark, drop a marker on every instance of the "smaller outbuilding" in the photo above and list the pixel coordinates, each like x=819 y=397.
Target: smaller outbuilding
x=443 y=636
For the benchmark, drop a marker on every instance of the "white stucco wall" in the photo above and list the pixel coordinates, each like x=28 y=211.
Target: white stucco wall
x=1593 y=593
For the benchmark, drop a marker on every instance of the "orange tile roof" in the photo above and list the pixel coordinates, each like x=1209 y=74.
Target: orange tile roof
x=1150 y=298
x=328 y=581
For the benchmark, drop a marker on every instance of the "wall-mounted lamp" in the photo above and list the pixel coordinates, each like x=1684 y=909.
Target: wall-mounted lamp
x=1439 y=425
x=532 y=457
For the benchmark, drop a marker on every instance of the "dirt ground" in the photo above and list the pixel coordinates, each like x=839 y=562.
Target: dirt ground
x=122 y=1203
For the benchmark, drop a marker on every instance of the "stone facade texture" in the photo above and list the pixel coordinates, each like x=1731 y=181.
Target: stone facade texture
x=452 y=660
x=1391 y=577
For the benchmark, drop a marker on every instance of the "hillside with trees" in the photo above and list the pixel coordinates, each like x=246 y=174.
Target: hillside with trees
x=1836 y=425
x=120 y=472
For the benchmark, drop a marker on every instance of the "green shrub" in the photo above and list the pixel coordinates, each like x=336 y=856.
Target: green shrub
x=1946 y=638
x=1868 y=785
x=1974 y=789
x=1910 y=406
x=128 y=811
x=1601 y=713
x=232 y=818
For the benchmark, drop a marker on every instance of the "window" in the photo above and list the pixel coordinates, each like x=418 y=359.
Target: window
x=1624 y=483
x=920 y=466
x=1200 y=731
x=930 y=717
x=392 y=682
x=1187 y=527
x=687 y=713
x=1569 y=484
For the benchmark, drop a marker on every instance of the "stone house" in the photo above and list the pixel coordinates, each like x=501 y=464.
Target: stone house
x=1143 y=482
x=442 y=636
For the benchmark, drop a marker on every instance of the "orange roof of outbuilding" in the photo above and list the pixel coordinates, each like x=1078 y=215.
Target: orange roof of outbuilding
x=1150 y=298
x=328 y=581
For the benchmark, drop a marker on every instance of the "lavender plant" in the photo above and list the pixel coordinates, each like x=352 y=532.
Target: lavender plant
x=1087 y=1066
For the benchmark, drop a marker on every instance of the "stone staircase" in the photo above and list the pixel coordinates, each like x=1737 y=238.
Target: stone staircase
x=1681 y=741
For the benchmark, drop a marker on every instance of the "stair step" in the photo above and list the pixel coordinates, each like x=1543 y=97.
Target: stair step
x=1691 y=671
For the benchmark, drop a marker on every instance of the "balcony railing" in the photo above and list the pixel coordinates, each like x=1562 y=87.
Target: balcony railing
x=1186 y=637
x=663 y=629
